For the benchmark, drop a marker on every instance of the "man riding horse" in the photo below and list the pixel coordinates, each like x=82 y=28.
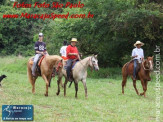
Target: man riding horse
x=138 y=68
x=40 y=50
x=72 y=54
x=137 y=55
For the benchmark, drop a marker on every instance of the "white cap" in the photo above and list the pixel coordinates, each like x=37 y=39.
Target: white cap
x=40 y=34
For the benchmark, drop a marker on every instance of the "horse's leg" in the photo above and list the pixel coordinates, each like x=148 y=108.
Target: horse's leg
x=31 y=78
x=76 y=88
x=61 y=83
x=66 y=80
x=58 y=83
x=33 y=84
x=85 y=87
x=134 y=84
x=49 y=78
x=47 y=84
x=143 y=85
x=124 y=83
x=124 y=77
x=50 y=81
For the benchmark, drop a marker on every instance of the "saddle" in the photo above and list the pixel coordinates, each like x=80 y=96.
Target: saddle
x=38 y=64
x=137 y=68
x=72 y=66
x=71 y=73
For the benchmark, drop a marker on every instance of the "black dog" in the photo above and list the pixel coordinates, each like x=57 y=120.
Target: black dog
x=1 y=78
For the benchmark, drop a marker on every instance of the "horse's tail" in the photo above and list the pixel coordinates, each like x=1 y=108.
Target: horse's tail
x=124 y=74
x=29 y=73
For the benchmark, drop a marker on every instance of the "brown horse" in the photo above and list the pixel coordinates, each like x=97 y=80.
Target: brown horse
x=47 y=66
x=143 y=74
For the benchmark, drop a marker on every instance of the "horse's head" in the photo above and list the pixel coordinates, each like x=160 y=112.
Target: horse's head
x=94 y=62
x=148 y=64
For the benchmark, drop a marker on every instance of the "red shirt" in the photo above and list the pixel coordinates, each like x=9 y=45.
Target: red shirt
x=71 y=49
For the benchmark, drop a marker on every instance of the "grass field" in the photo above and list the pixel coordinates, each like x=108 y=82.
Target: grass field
x=105 y=101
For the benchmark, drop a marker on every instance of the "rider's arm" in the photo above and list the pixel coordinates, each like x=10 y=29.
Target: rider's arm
x=79 y=57
x=133 y=54
x=76 y=54
x=142 y=55
x=45 y=51
x=68 y=52
x=38 y=52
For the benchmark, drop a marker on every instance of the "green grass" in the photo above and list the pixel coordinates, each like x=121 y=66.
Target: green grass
x=105 y=101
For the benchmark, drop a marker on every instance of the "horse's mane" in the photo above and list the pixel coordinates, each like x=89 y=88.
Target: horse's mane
x=54 y=56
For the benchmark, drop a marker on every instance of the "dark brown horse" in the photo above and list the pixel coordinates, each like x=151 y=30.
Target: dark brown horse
x=143 y=74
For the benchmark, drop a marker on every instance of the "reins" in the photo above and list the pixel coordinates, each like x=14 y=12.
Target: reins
x=144 y=67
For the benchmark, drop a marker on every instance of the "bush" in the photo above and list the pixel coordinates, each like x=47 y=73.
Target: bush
x=105 y=73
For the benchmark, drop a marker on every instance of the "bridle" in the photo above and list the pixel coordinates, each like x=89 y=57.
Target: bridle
x=144 y=67
x=90 y=61
x=94 y=64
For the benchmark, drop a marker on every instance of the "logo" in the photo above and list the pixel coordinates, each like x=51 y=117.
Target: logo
x=41 y=47
x=17 y=112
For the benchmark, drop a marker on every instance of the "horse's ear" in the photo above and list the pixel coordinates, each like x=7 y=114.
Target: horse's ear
x=96 y=56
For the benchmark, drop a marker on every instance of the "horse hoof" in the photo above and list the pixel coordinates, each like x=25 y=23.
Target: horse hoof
x=141 y=94
x=46 y=95
x=57 y=94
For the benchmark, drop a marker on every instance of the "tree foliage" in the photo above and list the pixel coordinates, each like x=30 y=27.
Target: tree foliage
x=116 y=26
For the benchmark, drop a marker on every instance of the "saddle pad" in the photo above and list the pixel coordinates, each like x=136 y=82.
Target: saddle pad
x=73 y=65
x=40 y=61
x=31 y=61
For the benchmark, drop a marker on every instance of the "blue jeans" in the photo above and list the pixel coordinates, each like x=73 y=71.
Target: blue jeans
x=35 y=62
x=135 y=65
x=68 y=66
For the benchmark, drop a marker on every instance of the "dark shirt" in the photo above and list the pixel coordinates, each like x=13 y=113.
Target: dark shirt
x=40 y=46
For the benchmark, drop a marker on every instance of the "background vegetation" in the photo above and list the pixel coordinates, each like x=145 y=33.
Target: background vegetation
x=116 y=25
x=105 y=101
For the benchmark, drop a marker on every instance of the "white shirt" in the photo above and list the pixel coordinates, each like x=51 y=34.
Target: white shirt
x=139 y=52
x=63 y=51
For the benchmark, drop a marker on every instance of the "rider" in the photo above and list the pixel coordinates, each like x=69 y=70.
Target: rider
x=72 y=54
x=63 y=50
x=137 y=55
x=40 y=50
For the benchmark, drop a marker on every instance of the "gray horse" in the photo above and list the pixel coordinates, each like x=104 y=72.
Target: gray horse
x=79 y=73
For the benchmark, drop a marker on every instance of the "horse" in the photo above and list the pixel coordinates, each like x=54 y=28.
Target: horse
x=79 y=72
x=143 y=74
x=46 y=67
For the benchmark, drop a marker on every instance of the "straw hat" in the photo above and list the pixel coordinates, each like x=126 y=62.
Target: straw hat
x=74 y=40
x=138 y=42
